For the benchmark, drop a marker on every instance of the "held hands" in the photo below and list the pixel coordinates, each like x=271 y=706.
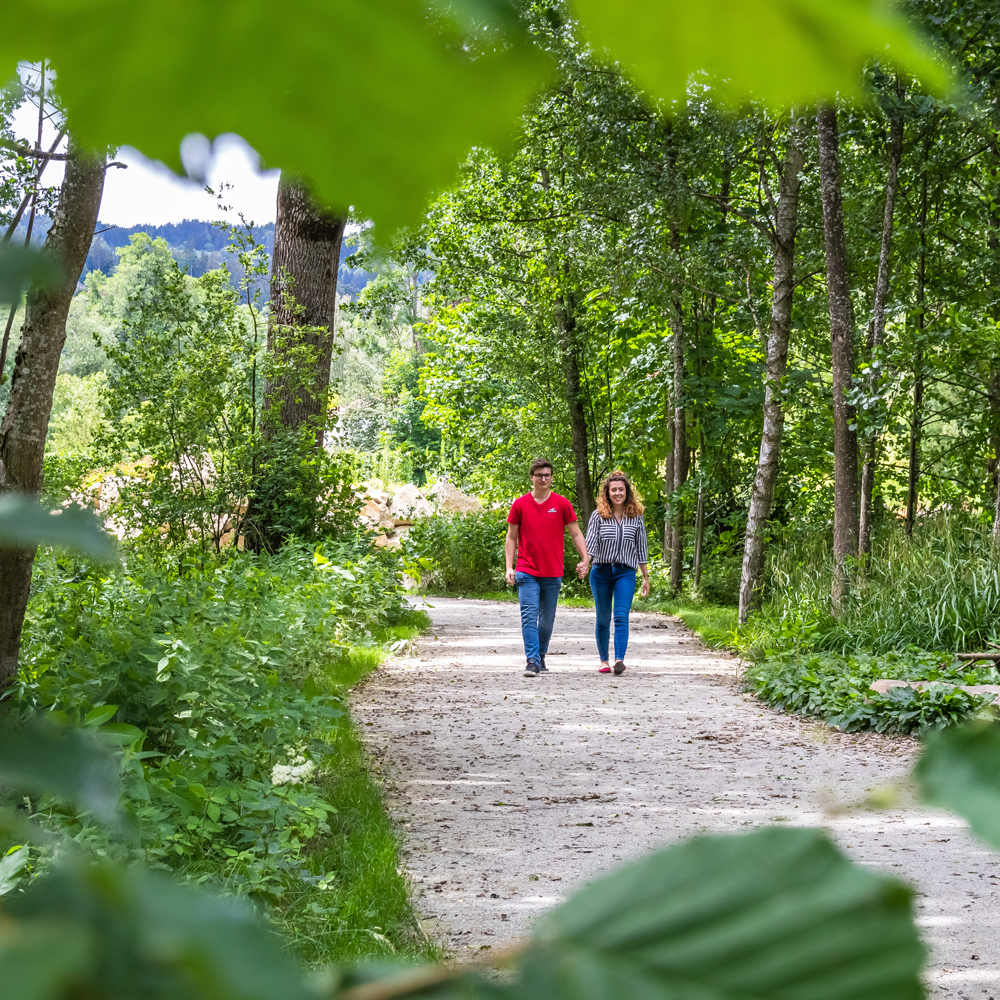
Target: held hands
x=645 y=588
x=581 y=568
x=510 y=577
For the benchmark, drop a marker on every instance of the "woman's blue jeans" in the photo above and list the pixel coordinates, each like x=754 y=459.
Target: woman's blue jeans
x=613 y=587
x=537 y=596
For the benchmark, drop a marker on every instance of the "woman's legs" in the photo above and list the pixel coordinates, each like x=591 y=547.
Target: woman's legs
x=624 y=590
x=601 y=585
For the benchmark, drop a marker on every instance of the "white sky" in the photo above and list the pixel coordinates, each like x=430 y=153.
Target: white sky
x=149 y=192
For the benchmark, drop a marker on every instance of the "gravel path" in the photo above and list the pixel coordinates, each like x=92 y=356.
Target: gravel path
x=512 y=791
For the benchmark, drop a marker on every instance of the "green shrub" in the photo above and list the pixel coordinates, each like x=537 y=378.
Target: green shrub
x=458 y=553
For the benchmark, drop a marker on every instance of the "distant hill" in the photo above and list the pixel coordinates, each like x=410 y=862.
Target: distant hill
x=196 y=245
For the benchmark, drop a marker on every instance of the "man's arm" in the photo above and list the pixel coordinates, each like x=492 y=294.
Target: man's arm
x=510 y=550
x=580 y=544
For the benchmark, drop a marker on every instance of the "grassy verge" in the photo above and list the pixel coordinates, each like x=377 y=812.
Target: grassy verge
x=714 y=624
x=358 y=906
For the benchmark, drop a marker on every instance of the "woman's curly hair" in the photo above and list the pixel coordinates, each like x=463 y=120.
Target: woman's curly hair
x=633 y=502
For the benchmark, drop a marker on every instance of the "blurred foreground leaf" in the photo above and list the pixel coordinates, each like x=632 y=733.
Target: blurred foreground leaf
x=775 y=913
x=19 y=268
x=25 y=523
x=778 y=51
x=374 y=103
x=142 y=935
x=39 y=758
x=960 y=769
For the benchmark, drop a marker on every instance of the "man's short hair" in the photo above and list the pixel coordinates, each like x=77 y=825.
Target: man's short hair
x=540 y=463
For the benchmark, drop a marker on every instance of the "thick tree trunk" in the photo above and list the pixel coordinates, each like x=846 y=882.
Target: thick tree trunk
x=300 y=335
x=876 y=334
x=783 y=251
x=303 y=306
x=36 y=364
x=569 y=343
x=680 y=454
x=845 y=439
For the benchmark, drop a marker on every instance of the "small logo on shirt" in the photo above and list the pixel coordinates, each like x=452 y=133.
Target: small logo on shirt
x=552 y=510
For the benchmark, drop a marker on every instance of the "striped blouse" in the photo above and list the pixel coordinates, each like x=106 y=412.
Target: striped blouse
x=621 y=542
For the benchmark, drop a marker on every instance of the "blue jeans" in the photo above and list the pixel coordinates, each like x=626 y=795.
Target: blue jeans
x=615 y=584
x=537 y=596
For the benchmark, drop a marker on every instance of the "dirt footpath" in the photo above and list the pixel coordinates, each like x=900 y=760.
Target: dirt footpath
x=512 y=791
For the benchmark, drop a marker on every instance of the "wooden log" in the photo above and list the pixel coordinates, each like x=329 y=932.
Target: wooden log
x=992 y=655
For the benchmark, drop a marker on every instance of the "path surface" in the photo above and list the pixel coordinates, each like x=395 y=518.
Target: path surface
x=512 y=791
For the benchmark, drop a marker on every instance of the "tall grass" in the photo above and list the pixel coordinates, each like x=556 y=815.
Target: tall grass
x=938 y=590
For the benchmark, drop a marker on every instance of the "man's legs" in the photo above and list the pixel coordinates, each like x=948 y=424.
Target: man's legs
x=528 y=598
x=624 y=589
x=548 y=598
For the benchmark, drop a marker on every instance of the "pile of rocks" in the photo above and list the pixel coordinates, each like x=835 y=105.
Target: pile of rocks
x=393 y=513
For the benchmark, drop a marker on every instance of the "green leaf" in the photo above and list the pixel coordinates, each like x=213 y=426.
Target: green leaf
x=98 y=715
x=779 y=912
x=778 y=51
x=11 y=866
x=162 y=939
x=25 y=523
x=19 y=268
x=41 y=759
x=37 y=960
x=960 y=769
x=388 y=58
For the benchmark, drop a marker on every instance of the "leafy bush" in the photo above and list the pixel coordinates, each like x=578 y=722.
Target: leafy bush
x=838 y=689
x=223 y=687
x=458 y=553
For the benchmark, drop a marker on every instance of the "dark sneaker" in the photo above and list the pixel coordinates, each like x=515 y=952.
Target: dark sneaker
x=532 y=669
x=542 y=668
x=619 y=668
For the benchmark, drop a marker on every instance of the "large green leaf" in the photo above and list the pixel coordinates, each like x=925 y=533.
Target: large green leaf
x=779 y=51
x=960 y=769
x=776 y=913
x=19 y=268
x=152 y=938
x=375 y=103
x=37 y=960
x=70 y=763
x=25 y=523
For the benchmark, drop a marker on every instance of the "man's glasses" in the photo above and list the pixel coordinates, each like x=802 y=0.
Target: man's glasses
x=541 y=475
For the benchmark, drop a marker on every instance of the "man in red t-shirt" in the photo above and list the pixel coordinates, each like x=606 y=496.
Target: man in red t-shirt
x=535 y=528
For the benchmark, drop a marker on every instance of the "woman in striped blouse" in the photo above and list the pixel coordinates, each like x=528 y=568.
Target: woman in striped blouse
x=616 y=542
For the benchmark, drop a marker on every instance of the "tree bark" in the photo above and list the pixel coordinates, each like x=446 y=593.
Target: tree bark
x=668 y=480
x=303 y=305
x=300 y=335
x=569 y=344
x=36 y=364
x=917 y=418
x=876 y=334
x=783 y=254
x=680 y=453
x=845 y=439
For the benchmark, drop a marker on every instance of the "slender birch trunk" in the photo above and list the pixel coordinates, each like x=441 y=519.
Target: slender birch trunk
x=783 y=253
x=917 y=418
x=845 y=439
x=680 y=453
x=876 y=333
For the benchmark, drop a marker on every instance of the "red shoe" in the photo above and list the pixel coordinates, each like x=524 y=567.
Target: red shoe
x=604 y=670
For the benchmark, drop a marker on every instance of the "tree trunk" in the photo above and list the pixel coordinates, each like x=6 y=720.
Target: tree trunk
x=699 y=536
x=303 y=307
x=300 y=334
x=845 y=439
x=568 y=340
x=680 y=453
x=876 y=335
x=36 y=364
x=917 y=419
x=783 y=252
x=668 y=481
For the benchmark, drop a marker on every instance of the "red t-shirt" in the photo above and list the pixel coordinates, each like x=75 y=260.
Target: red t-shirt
x=540 y=544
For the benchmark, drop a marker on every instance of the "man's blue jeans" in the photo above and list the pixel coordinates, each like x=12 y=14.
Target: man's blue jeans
x=612 y=584
x=537 y=596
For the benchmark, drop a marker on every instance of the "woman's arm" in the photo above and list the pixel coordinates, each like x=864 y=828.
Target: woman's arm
x=644 y=568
